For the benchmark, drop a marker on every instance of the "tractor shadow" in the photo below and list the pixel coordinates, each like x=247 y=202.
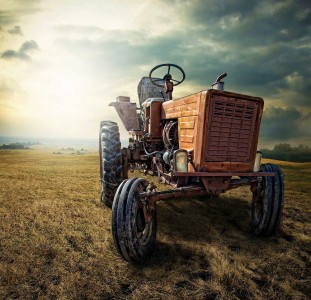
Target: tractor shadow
x=204 y=218
x=187 y=226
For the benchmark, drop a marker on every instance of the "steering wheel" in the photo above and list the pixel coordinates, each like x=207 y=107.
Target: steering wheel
x=167 y=76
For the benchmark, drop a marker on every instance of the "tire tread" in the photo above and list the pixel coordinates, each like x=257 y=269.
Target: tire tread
x=110 y=160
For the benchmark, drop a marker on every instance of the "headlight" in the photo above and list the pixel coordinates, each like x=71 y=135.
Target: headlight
x=180 y=160
x=257 y=161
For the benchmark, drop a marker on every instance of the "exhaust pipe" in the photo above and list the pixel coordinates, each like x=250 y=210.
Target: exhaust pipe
x=219 y=85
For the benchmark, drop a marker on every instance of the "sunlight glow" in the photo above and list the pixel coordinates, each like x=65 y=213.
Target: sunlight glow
x=65 y=87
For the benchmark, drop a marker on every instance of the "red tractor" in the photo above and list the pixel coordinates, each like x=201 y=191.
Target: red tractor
x=201 y=144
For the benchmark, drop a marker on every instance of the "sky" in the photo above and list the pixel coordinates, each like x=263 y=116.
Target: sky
x=63 y=61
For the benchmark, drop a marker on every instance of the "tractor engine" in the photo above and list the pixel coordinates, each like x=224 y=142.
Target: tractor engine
x=170 y=140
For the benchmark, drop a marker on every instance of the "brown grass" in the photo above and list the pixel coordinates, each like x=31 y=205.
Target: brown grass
x=55 y=239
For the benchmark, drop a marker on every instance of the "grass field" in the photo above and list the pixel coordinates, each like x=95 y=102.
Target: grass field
x=55 y=239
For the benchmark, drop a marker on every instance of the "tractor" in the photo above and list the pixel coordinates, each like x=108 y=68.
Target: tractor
x=201 y=144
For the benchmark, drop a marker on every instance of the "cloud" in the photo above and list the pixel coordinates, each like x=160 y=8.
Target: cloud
x=259 y=44
x=29 y=45
x=9 y=54
x=264 y=46
x=285 y=123
x=13 y=15
x=79 y=31
x=7 y=17
x=16 y=30
x=252 y=23
x=23 y=52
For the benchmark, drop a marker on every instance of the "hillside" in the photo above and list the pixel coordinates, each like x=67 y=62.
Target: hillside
x=55 y=239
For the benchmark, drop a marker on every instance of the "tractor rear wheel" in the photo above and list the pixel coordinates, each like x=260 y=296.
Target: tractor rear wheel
x=268 y=200
x=134 y=238
x=110 y=160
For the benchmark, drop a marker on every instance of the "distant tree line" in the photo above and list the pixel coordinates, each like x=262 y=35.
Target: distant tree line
x=17 y=145
x=286 y=152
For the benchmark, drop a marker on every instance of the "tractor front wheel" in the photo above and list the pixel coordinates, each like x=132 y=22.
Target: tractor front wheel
x=267 y=204
x=134 y=238
x=110 y=160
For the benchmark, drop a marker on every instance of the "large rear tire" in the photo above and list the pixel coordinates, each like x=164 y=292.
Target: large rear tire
x=268 y=200
x=110 y=160
x=134 y=238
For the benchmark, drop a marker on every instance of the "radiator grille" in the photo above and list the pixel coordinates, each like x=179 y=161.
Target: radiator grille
x=230 y=130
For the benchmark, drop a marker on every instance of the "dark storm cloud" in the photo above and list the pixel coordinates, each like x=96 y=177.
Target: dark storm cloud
x=285 y=123
x=16 y=30
x=260 y=42
x=256 y=22
x=23 y=53
x=273 y=122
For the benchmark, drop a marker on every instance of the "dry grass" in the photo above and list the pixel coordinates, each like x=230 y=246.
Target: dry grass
x=56 y=240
